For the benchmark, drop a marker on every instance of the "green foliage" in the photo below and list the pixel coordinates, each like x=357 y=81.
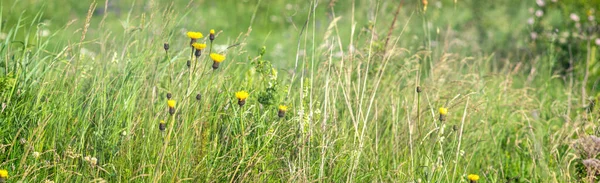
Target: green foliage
x=569 y=30
x=7 y=83
x=268 y=93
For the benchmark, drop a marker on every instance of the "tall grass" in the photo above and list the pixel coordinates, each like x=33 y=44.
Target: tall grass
x=87 y=108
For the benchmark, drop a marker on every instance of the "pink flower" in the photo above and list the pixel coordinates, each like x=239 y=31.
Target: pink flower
x=539 y=13
x=540 y=3
x=574 y=17
x=530 y=21
x=533 y=35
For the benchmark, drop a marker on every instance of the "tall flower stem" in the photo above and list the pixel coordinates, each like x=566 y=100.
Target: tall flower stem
x=190 y=72
x=202 y=66
x=241 y=116
x=210 y=84
x=157 y=171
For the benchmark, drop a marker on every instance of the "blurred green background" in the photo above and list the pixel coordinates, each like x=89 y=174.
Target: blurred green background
x=502 y=28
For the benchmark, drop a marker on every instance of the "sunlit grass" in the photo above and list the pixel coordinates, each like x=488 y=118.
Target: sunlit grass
x=328 y=92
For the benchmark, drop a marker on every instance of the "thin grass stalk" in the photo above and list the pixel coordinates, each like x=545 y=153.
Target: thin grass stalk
x=460 y=134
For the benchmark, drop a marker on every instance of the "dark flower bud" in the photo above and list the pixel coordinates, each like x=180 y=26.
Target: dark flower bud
x=162 y=125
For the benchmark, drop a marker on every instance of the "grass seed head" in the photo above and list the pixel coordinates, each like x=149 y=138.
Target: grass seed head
x=35 y=154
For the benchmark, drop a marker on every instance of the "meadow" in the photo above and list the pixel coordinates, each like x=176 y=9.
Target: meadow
x=299 y=91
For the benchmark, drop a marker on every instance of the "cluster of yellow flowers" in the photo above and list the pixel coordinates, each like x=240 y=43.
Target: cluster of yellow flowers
x=197 y=48
x=194 y=36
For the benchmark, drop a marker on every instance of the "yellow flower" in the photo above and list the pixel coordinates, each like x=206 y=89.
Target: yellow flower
x=3 y=174
x=212 y=31
x=217 y=57
x=282 y=108
x=171 y=103
x=195 y=35
x=473 y=177
x=241 y=95
x=199 y=46
x=443 y=110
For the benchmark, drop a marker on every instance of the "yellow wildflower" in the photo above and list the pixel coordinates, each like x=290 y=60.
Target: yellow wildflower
x=217 y=57
x=443 y=111
x=473 y=177
x=199 y=46
x=171 y=103
x=241 y=96
x=195 y=35
x=4 y=174
x=282 y=108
